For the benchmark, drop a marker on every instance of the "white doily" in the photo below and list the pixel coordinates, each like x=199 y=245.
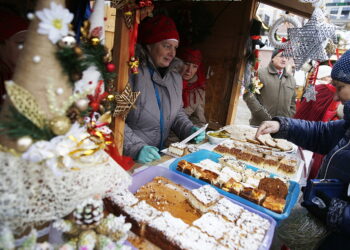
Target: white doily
x=30 y=193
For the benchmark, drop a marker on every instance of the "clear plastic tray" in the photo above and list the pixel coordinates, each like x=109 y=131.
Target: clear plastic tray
x=141 y=178
x=291 y=199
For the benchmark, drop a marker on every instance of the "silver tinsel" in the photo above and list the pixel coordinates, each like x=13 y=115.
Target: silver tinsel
x=310 y=93
x=309 y=41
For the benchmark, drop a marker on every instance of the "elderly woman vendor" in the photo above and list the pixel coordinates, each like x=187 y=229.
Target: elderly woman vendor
x=159 y=107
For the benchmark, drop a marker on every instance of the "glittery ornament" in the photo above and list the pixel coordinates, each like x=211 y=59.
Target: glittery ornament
x=309 y=41
x=134 y=65
x=110 y=98
x=125 y=101
x=310 y=93
x=24 y=143
x=95 y=41
x=89 y=213
x=82 y=104
x=60 y=125
x=110 y=67
x=67 y=42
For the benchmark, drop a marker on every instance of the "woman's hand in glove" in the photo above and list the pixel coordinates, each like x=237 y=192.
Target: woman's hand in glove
x=199 y=137
x=147 y=154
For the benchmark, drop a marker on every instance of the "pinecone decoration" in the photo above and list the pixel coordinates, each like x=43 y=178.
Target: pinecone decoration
x=89 y=214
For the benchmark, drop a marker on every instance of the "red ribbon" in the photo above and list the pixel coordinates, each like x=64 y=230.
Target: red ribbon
x=256 y=65
x=125 y=162
x=255 y=37
x=133 y=38
x=97 y=97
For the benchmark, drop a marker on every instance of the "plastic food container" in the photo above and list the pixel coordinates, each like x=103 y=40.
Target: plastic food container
x=141 y=178
x=291 y=199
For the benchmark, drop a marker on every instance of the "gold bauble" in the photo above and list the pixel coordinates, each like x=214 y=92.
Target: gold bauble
x=23 y=143
x=95 y=41
x=60 y=125
x=78 y=51
x=110 y=98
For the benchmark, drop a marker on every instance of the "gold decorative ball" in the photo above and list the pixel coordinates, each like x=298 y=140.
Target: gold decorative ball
x=24 y=143
x=60 y=125
x=78 y=51
x=95 y=41
x=110 y=98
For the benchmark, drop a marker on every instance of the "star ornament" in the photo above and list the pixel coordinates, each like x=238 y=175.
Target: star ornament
x=309 y=41
x=125 y=101
x=310 y=93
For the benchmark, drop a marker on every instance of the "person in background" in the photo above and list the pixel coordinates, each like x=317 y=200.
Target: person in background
x=277 y=96
x=12 y=35
x=159 y=107
x=332 y=139
x=193 y=80
x=324 y=108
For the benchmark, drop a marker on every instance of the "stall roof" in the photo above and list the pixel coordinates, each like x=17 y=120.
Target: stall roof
x=294 y=6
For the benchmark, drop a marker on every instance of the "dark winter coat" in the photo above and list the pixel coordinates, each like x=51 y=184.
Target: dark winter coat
x=142 y=126
x=330 y=138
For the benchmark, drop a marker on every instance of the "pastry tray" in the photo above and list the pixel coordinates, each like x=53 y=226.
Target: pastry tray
x=291 y=199
x=141 y=178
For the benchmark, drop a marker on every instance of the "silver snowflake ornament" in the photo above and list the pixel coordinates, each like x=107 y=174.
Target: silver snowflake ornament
x=309 y=41
x=310 y=93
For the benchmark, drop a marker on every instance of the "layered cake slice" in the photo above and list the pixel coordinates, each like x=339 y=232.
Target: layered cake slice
x=212 y=224
x=253 y=194
x=227 y=209
x=288 y=165
x=195 y=239
x=274 y=203
x=163 y=229
x=117 y=201
x=203 y=198
x=140 y=215
x=178 y=149
x=233 y=187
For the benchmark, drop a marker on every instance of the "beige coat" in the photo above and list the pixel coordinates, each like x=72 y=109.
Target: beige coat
x=277 y=96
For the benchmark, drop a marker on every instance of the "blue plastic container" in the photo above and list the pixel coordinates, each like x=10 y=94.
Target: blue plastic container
x=141 y=178
x=291 y=199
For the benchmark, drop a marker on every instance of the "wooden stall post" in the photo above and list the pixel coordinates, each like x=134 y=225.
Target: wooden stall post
x=240 y=67
x=120 y=59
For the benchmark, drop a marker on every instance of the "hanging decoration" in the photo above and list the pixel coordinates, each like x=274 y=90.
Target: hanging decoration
x=96 y=99
x=310 y=92
x=309 y=41
x=125 y=101
x=272 y=33
x=133 y=15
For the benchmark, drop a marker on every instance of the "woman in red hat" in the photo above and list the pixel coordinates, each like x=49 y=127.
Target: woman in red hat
x=159 y=107
x=193 y=93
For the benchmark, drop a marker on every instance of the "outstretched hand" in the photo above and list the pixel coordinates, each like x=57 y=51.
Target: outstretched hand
x=268 y=127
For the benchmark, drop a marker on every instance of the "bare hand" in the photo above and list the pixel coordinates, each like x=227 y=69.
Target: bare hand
x=268 y=127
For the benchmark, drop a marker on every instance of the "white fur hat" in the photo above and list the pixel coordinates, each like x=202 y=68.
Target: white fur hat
x=323 y=71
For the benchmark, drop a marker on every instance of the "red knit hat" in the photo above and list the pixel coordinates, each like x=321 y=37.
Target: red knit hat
x=10 y=24
x=190 y=55
x=156 y=29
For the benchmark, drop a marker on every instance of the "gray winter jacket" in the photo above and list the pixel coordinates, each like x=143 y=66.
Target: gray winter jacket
x=142 y=126
x=277 y=96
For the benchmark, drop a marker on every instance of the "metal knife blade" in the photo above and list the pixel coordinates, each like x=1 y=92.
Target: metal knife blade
x=195 y=134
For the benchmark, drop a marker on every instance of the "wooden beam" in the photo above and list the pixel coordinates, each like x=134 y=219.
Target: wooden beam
x=120 y=59
x=240 y=62
x=294 y=6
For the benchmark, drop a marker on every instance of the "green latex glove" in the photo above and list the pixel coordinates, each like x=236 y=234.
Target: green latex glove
x=199 y=137
x=147 y=154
